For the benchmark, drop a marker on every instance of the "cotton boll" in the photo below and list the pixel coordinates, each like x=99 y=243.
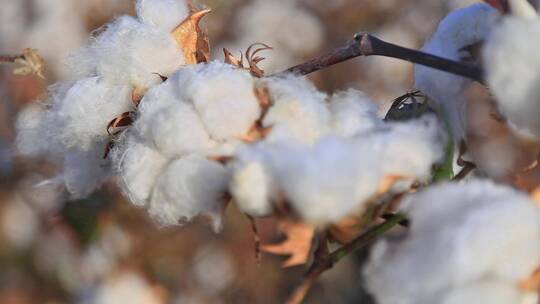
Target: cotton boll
x=491 y=291
x=461 y=28
x=130 y=52
x=138 y=167
x=223 y=97
x=512 y=65
x=353 y=112
x=252 y=186
x=164 y=14
x=86 y=110
x=170 y=123
x=453 y=245
x=329 y=181
x=299 y=110
x=189 y=186
x=30 y=133
x=85 y=171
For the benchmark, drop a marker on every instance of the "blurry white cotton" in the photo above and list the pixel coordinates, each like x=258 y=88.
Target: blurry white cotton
x=19 y=223
x=127 y=287
x=466 y=241
x=164 y=14
x=299 y=111
x=85 y=171
x=213 y=269
x=189 y=186
x=460 y=29
x=513 y=72
x=252 y=186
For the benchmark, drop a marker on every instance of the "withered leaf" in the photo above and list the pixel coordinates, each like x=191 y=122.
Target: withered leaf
x=192 y=39
x=30 y=63
x=254 y=60
x=532 y=283
x=297 y=245
x=124 y=120
x=230 y=59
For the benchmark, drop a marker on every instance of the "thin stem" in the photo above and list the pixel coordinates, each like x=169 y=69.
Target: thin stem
x=8 y=59
x=365 y=44
x=320 y=265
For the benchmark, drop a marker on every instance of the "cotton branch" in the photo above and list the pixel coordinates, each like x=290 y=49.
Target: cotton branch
x=365 y=44
x=323 y=262
x=29 y=62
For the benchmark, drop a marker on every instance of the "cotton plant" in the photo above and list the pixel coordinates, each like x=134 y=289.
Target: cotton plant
x=184 y=136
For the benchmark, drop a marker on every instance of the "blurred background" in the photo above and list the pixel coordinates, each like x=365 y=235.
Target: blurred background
x=103 y=249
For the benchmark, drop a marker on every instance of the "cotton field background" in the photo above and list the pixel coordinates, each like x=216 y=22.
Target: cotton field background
x=172 y=151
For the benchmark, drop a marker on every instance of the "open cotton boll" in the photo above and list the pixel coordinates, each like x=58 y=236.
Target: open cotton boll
x=138 y=167
x=85 y=171
x=224 y=98
x=461 y=234
x=130 y=52
x=86 y=110
x=461 y=28
x=189 y=186
x=171 y=124
x=251 y=187
x=353 y=112
x=513 y=72
x=299 y=110
x=164 y=14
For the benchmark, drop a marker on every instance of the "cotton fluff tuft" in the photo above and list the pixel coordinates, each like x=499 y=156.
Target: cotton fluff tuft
x=299 y=111
x=189 y=186
x=138 y=166
x=171 y=124
x=465 y=241
x=129 y=52
x=513 y=72
x=164 y=14
x=223 y=96
x=461 y=28
x=335 y=176
x=85 y=171
x=353 y=112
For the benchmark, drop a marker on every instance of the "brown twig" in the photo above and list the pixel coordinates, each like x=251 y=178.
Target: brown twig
x=320 y=265
x=365 y=44
x=468 y=167
x=9 y=59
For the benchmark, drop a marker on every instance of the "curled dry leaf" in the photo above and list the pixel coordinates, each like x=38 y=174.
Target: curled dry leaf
x=297 y=245
x=230 y=59
x=254 y=60
x=258 y=131
x=29 y=63
x=192 y=39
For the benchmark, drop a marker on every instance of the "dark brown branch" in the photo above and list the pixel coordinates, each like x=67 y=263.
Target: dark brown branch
x=9 y=59
x=365 y=44
x=324 y=262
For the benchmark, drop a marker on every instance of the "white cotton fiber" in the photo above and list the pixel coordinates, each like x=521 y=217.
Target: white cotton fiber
x=513 y=72
x=164 y=14
x=129 y=52
x=353 y=112
x=488 y=291
x=189 y=186
x=86 y=109
x=170 y=123
x=223 y=97
x=462 y=237
x=461 y=28
x=85 y=171
x=138 y=166
x=299 y=111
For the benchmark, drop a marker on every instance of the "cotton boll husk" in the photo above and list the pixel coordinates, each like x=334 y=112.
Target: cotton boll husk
x=138 y=166
x=129 y=52
x=189 y=186
x=513 y=64
x=453 y=243
x=171 y=124
x=353 y=112
x=223 y=96
x=86 y=110
x=461 y=28
x=299 y=111
x=85 y=171
x=164 y=14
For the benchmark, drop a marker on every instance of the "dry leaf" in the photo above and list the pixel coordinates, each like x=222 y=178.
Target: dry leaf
x=30 y=63
x=137 y=95
x=297 y=245
x=254 y=60
x=347 y=229
x=192 y=39
x=122 y=121
x=532 y=283
x=258 y=131
x=387 y=182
